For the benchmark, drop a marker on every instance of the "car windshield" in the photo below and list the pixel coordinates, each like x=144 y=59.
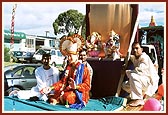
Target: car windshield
x=52 y=52
x=17 y=53
x=42 y=51
x=56 y=52
x=59 y=53
x=28 y=54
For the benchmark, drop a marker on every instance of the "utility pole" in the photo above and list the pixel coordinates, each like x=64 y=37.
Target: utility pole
x=47 y=33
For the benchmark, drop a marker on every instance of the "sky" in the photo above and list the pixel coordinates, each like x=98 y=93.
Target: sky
x=36 y=18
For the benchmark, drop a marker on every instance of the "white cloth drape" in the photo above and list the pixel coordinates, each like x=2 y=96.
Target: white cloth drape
x=107 y=17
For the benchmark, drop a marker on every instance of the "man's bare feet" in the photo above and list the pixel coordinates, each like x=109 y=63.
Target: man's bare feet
x=137 y=102
x=53 y=101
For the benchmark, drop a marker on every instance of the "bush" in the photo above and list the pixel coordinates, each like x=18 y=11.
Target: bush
x=6 y=54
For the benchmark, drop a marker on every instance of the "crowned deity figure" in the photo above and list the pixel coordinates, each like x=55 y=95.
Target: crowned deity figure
x=112 y=46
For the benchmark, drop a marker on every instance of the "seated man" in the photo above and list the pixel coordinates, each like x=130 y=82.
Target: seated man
x=73 y=88
x=83 y=56
x=143 y=79
x=46 y=75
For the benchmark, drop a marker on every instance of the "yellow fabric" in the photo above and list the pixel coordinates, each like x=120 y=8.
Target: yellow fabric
x=107 y=17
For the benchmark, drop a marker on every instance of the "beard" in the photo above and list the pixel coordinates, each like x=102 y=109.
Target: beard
x=46 y=63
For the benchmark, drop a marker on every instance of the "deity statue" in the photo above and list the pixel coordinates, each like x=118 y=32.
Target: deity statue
x=112 y=46
x=94 y=44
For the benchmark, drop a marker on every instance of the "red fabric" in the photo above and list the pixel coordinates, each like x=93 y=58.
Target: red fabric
x=69 y=94
x=160 y=92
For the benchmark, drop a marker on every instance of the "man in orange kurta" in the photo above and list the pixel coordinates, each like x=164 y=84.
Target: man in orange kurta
x=66 y=87
x=74 y=87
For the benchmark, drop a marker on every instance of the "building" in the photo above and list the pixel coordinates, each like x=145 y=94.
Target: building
x=25 y=42
x=153 y=34
x=152 y=23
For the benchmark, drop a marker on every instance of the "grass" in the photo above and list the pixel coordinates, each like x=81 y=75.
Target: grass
x=8 y=63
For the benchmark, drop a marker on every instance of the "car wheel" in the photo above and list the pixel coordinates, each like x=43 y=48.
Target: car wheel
x=17 y=60
x=12 y=91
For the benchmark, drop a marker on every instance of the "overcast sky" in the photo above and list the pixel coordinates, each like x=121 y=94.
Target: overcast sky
x=37 y=17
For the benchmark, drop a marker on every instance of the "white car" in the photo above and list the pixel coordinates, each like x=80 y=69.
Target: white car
x=151 y=51
x=56 y=57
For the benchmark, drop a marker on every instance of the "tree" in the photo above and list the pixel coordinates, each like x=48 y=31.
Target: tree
x=68 y=22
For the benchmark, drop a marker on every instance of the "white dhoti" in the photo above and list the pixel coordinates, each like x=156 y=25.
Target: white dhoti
x=143 y=79
x=137 y=85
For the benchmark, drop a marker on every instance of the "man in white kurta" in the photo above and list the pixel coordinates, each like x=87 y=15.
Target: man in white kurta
x=46 y=75
x=143 y=79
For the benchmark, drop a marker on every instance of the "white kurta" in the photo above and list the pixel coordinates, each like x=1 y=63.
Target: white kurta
x=143 y=79
x=45 y=78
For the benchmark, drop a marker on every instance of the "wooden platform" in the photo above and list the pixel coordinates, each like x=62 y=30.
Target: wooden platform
x=138 y=108
x=129 y=108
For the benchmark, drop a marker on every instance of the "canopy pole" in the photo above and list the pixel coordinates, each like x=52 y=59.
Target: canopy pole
x=128 y=56
x=12 y=46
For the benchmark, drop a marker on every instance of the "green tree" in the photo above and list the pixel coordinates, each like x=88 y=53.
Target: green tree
x=6 y=54
x=68 y=22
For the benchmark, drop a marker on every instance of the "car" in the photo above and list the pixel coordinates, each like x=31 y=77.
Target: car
x=57 y=58
x=38 y=54
x=19 y=77
x=26 y=57
x=15 y=55
x=151 y=51
x=22 y=56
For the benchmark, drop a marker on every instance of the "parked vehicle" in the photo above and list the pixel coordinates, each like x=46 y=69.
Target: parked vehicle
x=23 y=57
x=56 y=57
x=15 y=55
x=151 y=51
x=26 y=57
x=20 y=76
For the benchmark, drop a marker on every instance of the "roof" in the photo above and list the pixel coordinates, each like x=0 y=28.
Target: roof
x=152 y=28
x=17 y=35
x=47 y=37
